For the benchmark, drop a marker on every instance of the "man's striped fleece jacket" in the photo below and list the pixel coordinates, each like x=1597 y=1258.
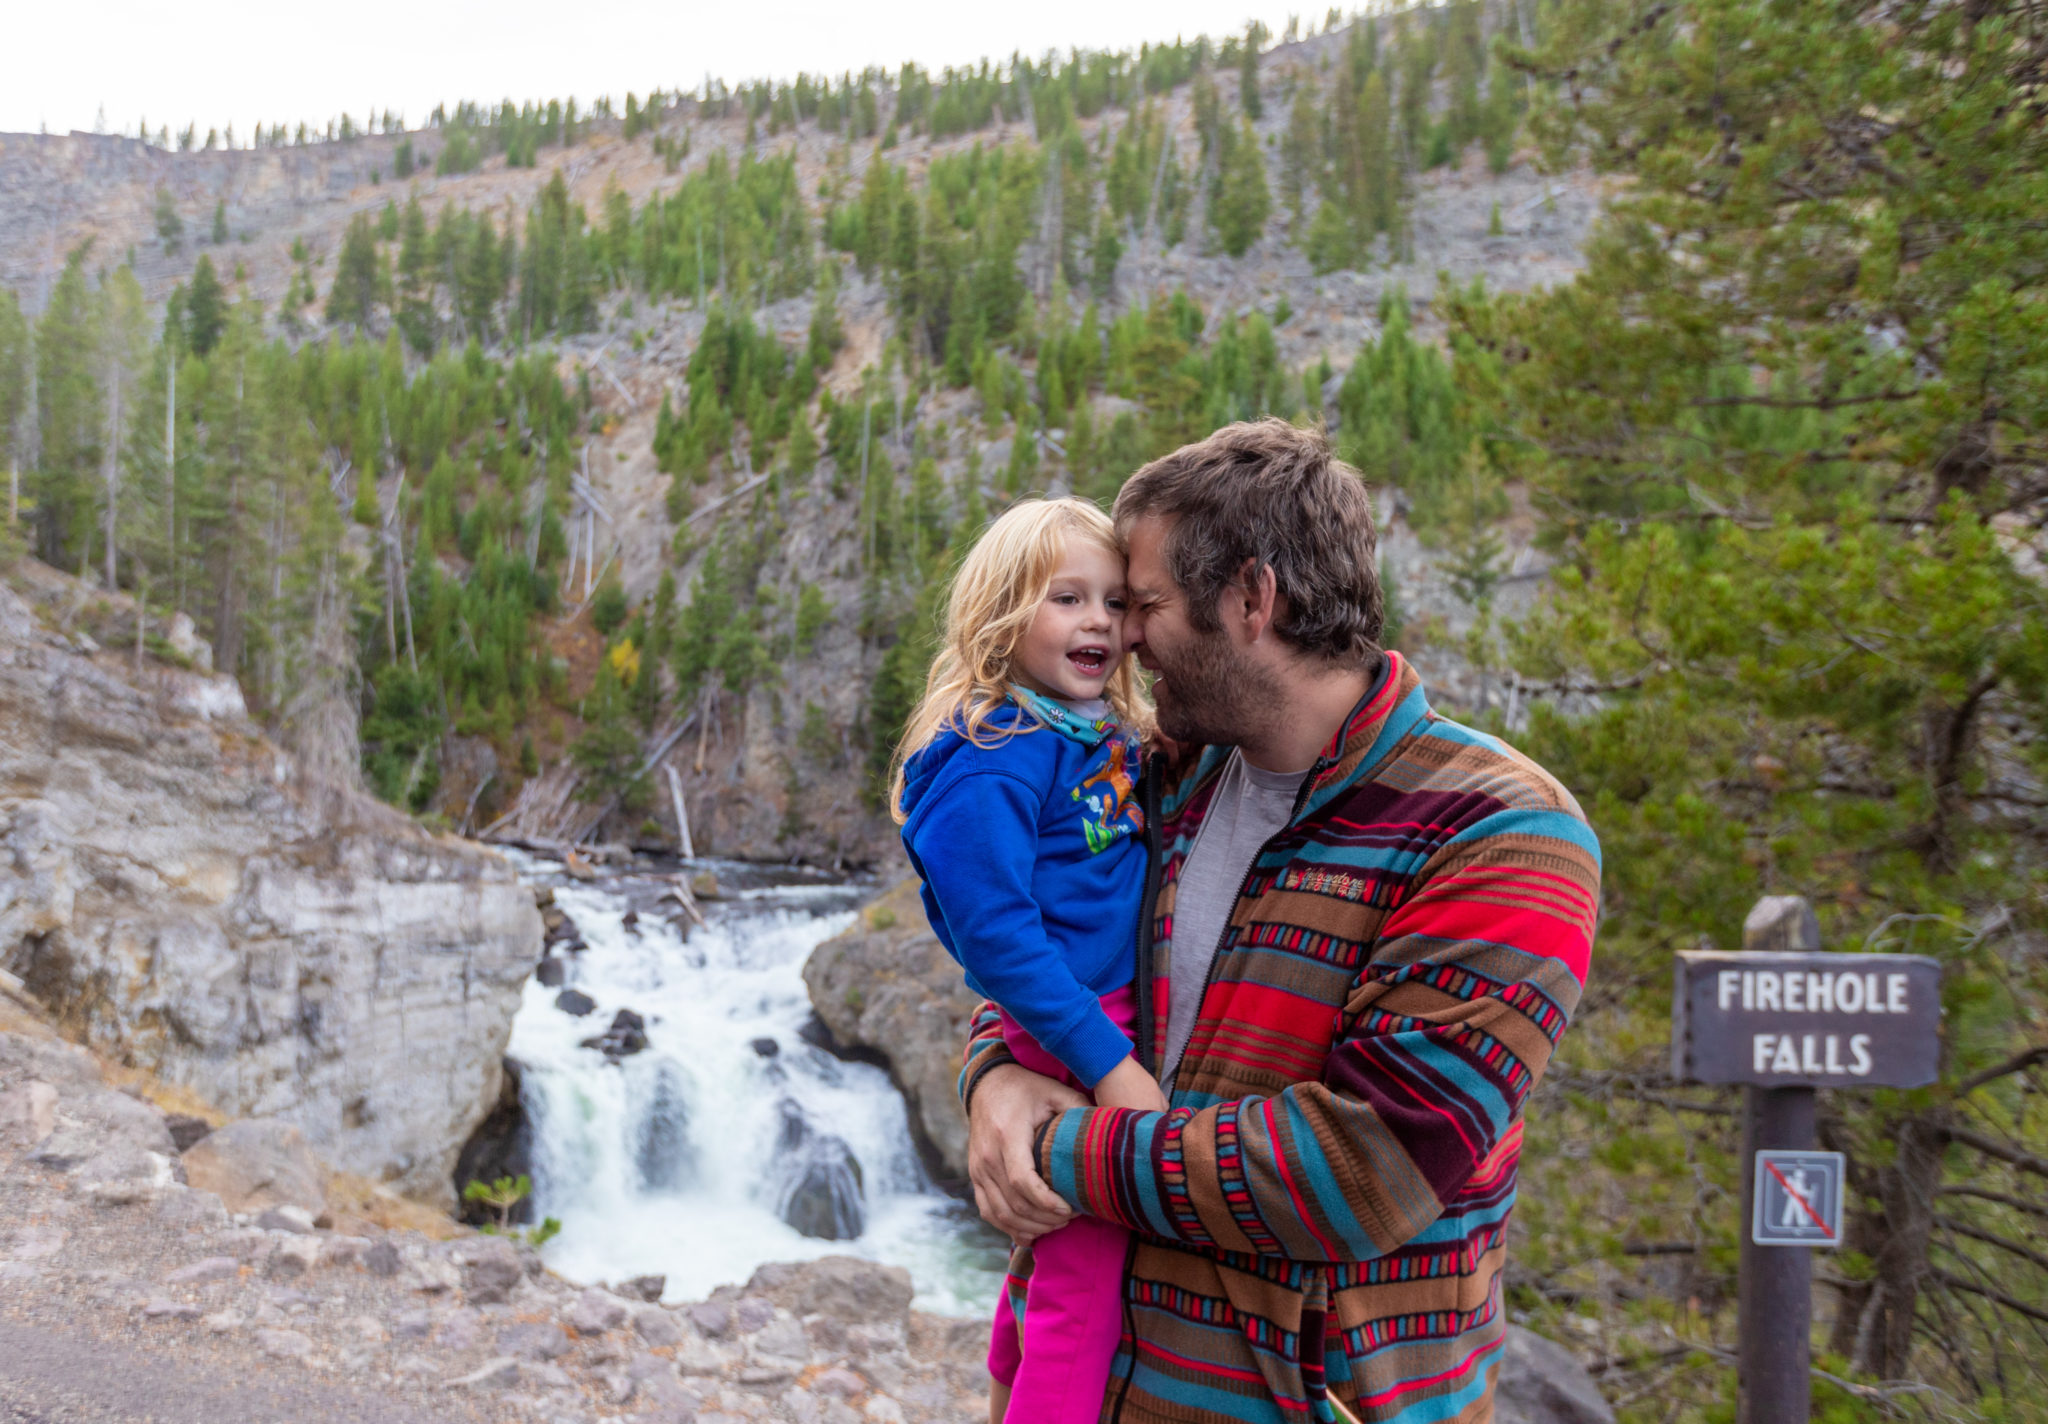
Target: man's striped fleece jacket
x=1323 y=1209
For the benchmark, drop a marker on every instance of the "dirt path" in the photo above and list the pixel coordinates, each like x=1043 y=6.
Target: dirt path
x=51 y=1376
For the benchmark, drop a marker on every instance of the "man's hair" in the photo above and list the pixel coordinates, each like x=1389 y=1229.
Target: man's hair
x=1268 y=494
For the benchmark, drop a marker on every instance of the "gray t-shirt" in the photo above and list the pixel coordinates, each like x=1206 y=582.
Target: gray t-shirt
x=1249 y=808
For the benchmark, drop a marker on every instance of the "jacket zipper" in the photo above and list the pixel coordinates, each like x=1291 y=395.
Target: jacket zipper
x=1148 y=801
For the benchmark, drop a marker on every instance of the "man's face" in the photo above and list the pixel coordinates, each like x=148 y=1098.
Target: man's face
x=1208 y=692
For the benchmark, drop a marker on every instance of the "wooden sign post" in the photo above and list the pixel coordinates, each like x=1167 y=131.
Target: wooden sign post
x=1784 y=1019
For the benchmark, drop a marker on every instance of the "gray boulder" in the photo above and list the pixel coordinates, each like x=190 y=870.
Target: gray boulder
x=658 y=1327
x=1540 y=1383
x=491 y=1269
x=533 y=1341
x=24 y=1058
x=98 y=1120
x=888 y=992
x=597 y=1311
x=256 y=1164
x=844 y=1288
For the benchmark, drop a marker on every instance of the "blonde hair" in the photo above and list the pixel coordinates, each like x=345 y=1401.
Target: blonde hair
x=995 y=596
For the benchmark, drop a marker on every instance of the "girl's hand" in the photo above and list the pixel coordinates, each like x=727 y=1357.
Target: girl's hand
x=1128 y=1085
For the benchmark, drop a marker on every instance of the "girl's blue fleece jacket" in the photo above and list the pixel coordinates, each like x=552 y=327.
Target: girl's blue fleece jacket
x=1033 y=862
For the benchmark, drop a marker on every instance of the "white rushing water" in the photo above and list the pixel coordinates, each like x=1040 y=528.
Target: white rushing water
x=679 y=1159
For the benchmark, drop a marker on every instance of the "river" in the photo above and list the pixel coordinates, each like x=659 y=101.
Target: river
x=682 y=1159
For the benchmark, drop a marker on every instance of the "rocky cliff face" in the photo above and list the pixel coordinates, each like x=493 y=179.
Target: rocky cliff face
x=184 y=901
x=888 y=990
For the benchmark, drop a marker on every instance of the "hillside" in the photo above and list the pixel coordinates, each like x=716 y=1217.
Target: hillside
x=781 y=759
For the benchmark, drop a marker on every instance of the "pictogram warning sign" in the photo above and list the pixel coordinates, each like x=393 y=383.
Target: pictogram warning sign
x=1798 y=1199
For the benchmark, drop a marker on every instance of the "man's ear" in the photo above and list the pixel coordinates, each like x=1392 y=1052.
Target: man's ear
x=1260 y=590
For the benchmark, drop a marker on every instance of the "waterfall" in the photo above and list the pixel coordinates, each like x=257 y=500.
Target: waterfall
x=700 y=1156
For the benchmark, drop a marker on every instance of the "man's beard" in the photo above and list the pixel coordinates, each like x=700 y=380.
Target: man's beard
x=1212 y=697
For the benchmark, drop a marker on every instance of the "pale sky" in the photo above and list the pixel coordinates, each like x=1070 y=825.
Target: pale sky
x=241 y=61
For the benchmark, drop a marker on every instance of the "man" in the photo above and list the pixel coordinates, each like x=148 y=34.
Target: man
x=1371 y=926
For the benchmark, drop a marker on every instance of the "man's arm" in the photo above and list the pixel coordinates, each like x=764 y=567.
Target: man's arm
x=1442 y=1038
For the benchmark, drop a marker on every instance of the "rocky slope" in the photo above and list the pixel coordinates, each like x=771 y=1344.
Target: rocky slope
x=183 y=900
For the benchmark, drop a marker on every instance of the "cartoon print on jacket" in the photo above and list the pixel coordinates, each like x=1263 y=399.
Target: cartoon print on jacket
x=1113 y=809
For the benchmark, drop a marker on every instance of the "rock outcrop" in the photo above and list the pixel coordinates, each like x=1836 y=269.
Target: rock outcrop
x=181 y=899
x=888 y=991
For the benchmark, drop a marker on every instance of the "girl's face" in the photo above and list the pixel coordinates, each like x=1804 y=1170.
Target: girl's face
x=1076 y=638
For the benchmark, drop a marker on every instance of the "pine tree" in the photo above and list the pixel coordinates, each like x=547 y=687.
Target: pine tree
x=1497 y=120
x=418 y=318
x=170 y=228
x=481 y=280
x=1360 y=199
x=70 y=418
x=1248 y=71
x=1241 y=203
x=1300 y=155
x=802 y=458
x=219 y=235
x=360 y=281
x=1464 y=57
x=206 y=308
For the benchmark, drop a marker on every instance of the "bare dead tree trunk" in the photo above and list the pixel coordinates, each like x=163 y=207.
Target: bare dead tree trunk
x=1906 y=1189
x=321 y=719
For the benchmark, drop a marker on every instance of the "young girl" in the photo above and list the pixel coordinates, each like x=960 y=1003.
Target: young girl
x=1018 y=802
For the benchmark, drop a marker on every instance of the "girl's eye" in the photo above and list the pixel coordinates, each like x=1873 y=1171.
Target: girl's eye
x=1065 y=598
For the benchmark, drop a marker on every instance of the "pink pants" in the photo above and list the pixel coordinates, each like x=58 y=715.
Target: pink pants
x=1056 y=1356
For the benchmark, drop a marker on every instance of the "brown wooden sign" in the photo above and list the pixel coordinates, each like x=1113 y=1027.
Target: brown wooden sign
x=1782 y=1020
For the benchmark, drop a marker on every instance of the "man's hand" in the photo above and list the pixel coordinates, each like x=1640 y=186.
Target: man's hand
x=1009 y=1105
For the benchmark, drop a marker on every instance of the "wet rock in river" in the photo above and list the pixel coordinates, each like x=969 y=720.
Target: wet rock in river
x=824 y=1194
x=575 y=1002
x=626 y=1036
